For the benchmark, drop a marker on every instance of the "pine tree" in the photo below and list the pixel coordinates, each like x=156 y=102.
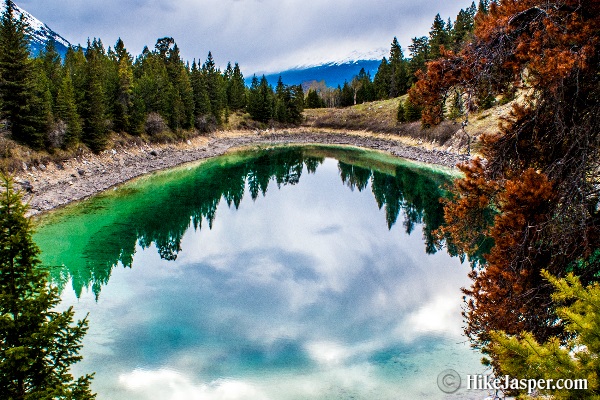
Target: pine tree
x=412 y=112
x=457 y=108
x=401 y=113
x=382 y=80
x=438 y=37
x=123 y=101
x=313 y=100
x=523 y=357
x=75 y=65
x=346 y=95
x=261 y=100
x=94 y=116
x=398 y=73
x=37 y=345
x=420 y=51
x=236 y=90
x=201 y=100
x=66 y=111
x=17 y=84
x=282 y=98
x=215 y=87
x=463 y=26
x=52 y=66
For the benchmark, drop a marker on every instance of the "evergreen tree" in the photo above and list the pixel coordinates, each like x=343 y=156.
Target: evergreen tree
x=401 y=113
x=94 y=116
x=75 y=65
x=363 y=87
x=420 y=54
x=123 y=101
x=296 y=104
x=260 y=100
x=438 y=37
x=457 y=108
x=483 y=8
x=182 y=96
x=52 y=66
x=412 y=112
x=398 y=73
x=346 y=95
x=17 y=84
x=215 y=87
x=41 y=117
x=463 y=26
x=236 y=90
x=282 y=98
x=382 y=80
x=66 y=111
x=313 y=100
x=524 y=357
x=37 y=345
x=201 y=99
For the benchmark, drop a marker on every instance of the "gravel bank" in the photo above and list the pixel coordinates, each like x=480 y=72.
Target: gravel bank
x=55 y=185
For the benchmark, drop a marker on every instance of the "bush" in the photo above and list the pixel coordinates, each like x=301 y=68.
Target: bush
x=155 y=124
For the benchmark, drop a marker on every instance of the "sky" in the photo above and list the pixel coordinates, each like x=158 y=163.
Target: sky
x=262 y=35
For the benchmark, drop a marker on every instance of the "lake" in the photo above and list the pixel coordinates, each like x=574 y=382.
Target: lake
x=275 y=273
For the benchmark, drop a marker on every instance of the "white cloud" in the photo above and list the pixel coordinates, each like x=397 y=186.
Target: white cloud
x=263 y=35
x=164 y=384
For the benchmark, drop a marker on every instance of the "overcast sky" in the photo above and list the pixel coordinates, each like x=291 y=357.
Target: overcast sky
x=262 y=35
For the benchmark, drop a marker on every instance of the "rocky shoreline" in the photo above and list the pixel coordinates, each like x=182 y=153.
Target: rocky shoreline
x=57 y=184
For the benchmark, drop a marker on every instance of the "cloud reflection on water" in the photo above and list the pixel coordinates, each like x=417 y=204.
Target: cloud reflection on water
x=303 y=293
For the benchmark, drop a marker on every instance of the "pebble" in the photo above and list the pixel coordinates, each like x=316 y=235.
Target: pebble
x=49 y=195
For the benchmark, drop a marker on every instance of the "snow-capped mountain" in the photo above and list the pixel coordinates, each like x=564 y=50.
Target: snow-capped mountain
x=333 y=73
x=39 y=33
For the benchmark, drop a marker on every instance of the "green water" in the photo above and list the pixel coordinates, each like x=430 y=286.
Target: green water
x=279 y=273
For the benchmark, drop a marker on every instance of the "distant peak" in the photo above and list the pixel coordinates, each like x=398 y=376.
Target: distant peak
x=39 y=32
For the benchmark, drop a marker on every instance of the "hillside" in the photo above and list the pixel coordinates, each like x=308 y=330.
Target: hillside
x=380 y=117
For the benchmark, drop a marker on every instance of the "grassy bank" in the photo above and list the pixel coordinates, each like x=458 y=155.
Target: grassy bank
x=374 y=118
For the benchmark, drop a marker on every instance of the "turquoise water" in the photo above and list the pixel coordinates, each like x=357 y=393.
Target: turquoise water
x=284 y=273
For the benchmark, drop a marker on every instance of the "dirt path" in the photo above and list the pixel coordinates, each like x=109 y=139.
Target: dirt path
x=55 y=185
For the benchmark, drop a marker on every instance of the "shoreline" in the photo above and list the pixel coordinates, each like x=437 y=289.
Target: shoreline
x=58 y=184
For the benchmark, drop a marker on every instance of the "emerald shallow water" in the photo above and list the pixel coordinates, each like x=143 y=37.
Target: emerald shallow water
x=279 y=273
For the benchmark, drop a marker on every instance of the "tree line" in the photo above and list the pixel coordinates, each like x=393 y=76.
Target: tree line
x=48 y=102
x=398 y=73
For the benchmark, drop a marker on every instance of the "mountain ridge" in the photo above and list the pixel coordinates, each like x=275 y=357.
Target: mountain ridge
x=39 y=33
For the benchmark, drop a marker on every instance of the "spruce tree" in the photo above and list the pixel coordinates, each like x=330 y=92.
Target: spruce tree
x=398 y=72
x=52 y=66
x=202 y=106
x=420 y=51
x=215 y=87
x=382 y=79
x=66 y=111
x=401 y=113
x=17 y=84
x=282 y=99
x=123 y=101
x=463 y=26
x=346 y=95
x=261 y=100
x=412 y=112
x=94 y=116
x=236 y=90
x=438 y=37
x=37 y=345
x=313 y=100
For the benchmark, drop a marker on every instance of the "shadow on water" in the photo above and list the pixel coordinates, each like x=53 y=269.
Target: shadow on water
x=159 y=209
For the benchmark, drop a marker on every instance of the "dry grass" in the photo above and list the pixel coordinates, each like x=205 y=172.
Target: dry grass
x=380 y=117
